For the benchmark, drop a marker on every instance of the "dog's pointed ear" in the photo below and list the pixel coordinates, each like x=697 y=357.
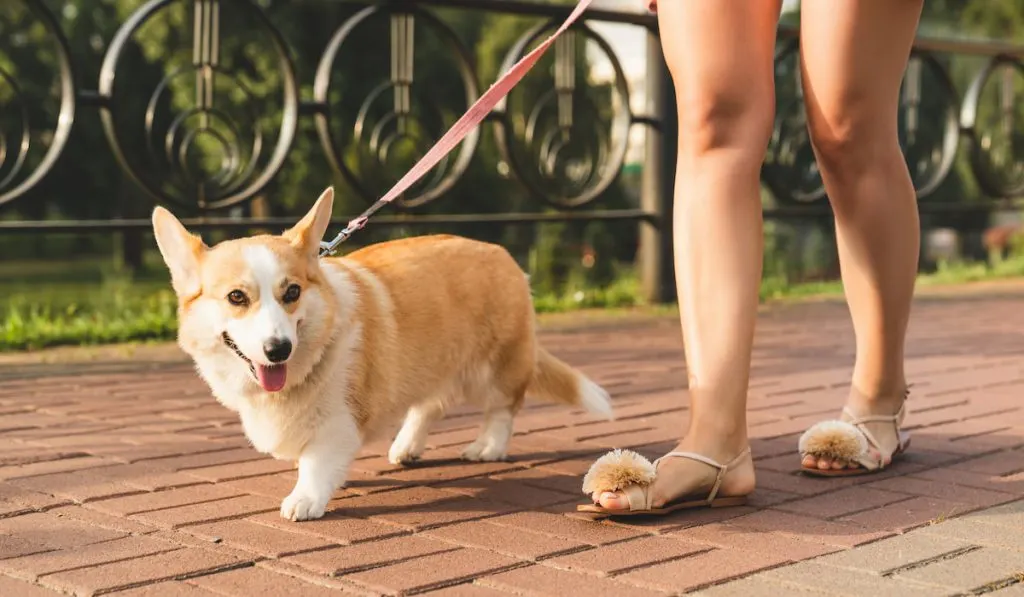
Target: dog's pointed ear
x=181 y=251
x=307 y=234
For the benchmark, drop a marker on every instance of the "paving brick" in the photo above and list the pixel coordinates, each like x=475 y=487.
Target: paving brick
x=433 y=571
x=1009 y=484
x=445 y=465
x=1001 y=463
x=546 y=480
x=705 y=568
x=148 y=502
x=953 y=493
x=259 y=582
x=755 y=586
x=20 y=588
x=260 y=539
x=506 y=540
x=727 y=535
x=508 y=492
x=854 y=583
x=417 y=508
x=894 y=552
x=272 y=486
x=208 y=459
x=843 y=502
x=333 y=527
x=14 y=497
x=12 y=547
x=1009 y=515
x=972 y=570
x=907 y=514
x=53 y=466
x=237 y=507
x=100 y=519
x=241 y=470
x=565 y=527
x=33 y=566
x=167 y=589
x=148 y=476
x=339 y=584
x=843 y=534
x=80 y=486
x=544 y=580
x=609 y=560
x=351 y=558
x=55 y=532
x=979 y=533
x=128 y=573
x=466 y=590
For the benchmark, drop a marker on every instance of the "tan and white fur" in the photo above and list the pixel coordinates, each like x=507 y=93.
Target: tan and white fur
x=319 y=355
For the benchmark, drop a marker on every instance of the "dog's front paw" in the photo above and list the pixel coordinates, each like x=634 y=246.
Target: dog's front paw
x=403 y=453
x=302 y=506
x=481 y=452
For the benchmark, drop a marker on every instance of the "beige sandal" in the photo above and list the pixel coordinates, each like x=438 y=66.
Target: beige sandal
x=632 y=474
x=849 y=439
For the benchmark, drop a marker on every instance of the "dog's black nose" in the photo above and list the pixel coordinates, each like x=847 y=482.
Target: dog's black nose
x=277 y=349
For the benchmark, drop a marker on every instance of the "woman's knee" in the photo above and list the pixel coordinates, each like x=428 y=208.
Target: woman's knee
x=737 y=119
x=850 y=133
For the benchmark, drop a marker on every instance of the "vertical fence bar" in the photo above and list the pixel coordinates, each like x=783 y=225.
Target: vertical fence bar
x=654 y=257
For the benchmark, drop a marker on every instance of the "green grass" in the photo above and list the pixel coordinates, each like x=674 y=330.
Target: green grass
x=90 y=305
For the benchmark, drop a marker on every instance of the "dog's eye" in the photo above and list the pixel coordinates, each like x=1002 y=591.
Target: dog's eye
x=237 y=297
x=291 y=294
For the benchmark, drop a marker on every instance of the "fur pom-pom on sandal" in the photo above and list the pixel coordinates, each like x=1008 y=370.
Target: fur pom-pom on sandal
x=631 y=474
x=849 y=440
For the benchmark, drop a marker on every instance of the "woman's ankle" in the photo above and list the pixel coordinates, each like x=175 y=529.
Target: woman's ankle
x=716 y=438
x=887 y=398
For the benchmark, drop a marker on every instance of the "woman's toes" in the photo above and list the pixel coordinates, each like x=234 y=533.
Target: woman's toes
x=824 y=463
x=809 y=461
x=838 y=464
x=614 y=501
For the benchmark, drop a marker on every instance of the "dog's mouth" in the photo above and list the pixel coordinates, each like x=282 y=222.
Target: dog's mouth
x=269 y=377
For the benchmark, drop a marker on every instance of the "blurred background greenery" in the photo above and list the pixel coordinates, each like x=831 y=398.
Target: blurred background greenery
x=112 y=287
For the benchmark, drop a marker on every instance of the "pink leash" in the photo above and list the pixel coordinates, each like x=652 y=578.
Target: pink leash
x=473 y=116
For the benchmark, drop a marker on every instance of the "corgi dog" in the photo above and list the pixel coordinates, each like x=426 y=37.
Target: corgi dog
x=320 y=355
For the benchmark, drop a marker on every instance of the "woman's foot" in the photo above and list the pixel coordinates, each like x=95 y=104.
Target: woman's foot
x=823 y=445
x=681 y=477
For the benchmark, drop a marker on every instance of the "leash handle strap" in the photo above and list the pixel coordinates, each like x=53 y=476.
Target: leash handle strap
x=473 y=117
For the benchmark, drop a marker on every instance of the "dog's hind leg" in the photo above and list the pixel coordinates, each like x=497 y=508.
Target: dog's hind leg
x=492 y=443
x=412 y=437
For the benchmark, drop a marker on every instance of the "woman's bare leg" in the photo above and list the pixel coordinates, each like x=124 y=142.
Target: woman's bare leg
x=720 y=54
x=853 y=55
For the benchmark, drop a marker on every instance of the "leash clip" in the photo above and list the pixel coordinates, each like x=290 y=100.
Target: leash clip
x=330 y=247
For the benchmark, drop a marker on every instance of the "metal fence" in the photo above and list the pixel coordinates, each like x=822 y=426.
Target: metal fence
x=939 y=124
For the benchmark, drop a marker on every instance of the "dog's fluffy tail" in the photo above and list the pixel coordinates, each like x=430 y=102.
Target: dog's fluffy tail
x=555 y=381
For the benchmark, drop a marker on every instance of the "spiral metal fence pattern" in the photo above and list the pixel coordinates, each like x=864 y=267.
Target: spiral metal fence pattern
x=214 y=149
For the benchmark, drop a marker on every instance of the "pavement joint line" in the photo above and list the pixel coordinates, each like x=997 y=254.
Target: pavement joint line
x=936 y=407
x=909 y=496
x=949 y=555
x=457 y=581
x=978 y=434
x=997 y=585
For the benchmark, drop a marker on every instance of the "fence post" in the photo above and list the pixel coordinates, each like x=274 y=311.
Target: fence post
x=654 y=255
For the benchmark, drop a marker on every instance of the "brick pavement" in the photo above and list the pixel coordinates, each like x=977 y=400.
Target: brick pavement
x=128 y=478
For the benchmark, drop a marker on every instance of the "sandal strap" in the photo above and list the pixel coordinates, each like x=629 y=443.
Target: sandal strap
x=639 y=498
x=722 y=468
x=859 y=422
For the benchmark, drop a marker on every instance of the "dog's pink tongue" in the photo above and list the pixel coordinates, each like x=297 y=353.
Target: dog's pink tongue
x=271 y=377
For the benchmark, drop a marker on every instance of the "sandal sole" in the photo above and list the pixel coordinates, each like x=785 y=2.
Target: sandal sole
x=723 y=502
